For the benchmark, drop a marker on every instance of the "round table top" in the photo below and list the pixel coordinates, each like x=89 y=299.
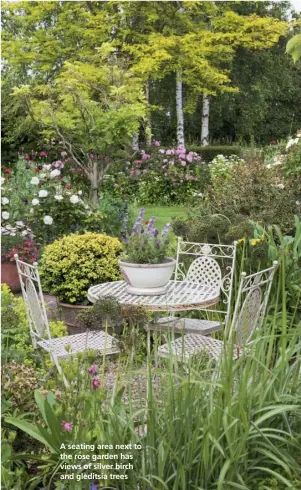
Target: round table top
x=180 y=295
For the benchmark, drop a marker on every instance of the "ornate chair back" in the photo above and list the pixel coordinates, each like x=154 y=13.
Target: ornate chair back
x=34 y=301
x=252 y=300
x=208 y=264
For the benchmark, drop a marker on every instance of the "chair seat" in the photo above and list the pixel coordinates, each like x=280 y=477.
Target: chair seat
x=190 y=345
x=186 y=325
x=63 y=347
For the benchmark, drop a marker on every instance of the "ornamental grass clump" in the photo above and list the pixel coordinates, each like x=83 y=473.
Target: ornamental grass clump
x=144 y=244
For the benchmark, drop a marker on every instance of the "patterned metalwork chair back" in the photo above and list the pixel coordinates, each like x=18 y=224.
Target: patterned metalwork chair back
x=33 y=298
x=211 y=264
x=252 y=301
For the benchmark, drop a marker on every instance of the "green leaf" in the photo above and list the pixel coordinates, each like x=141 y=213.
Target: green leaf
x=293 y=47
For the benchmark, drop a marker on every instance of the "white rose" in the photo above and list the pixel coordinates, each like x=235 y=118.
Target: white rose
x=74 y=199
x=20 y=223
x=80 y=193
x=5 y=215
x=58 y=197
x=54 y=173
x=35 y=181
x=35 y=202
x=46 y=167
x=24 y=233
x=48 y=220
x=43 y=193
x=5 y=201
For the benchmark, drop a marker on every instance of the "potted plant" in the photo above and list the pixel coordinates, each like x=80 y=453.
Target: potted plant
x=16 y=240
x=144 y=264
x=70 y=265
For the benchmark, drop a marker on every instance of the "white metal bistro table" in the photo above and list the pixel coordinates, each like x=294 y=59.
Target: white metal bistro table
x=180 y=296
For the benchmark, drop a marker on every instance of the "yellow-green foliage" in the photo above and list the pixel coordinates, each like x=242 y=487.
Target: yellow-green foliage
x=58 y=329
x=74 y=263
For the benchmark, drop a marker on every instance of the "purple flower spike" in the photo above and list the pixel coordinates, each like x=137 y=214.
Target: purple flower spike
x=158 y=243
x=166 y=229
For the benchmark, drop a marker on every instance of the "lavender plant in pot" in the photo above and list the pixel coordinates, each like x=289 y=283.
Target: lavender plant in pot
x=145 y=265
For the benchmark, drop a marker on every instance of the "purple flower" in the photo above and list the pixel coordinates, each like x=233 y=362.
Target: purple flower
x=158 y=243
x=156 y=143
x=166 y=229
x=92 y=369
x=145 y=156
x=63 y=154
x=67 y=426
x=95 y=382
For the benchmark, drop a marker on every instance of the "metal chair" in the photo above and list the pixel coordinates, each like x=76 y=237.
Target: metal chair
x=248 y=315
x=58 y=348
x=208 y=264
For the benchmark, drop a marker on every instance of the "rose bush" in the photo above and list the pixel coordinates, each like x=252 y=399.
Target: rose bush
x=43 y=197
x=161 y=176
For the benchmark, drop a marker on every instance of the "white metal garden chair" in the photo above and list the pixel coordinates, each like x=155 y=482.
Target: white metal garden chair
x=253 y=294
x=208 y=264
x=58 y=348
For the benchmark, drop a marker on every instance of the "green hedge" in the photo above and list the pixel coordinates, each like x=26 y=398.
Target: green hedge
x=209 y=152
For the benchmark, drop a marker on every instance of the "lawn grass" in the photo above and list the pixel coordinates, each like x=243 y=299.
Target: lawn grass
x=163 y=214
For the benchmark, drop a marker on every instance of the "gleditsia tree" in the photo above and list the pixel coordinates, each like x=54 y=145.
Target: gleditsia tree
x=91 y=110
x=198 y=44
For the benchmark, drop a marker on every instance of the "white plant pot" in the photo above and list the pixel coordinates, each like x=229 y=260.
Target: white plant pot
x=147 y=279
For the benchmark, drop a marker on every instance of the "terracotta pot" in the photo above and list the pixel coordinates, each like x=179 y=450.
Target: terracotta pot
x=147 y=279
x=9 y=276
x=69 y=313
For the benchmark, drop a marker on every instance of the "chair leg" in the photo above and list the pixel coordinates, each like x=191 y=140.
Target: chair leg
x=59 y=368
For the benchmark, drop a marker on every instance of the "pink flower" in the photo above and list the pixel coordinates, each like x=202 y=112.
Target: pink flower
x=170 y=152
x=27 y=157
x=92 y=369
x=165 y=160
x=156 y=143
x=132 y=172
x=63 y=154
x=95 y=382
x=68 y=186
x=180 y=151
x=67 y=426
x=189 y=158
x=43 y=154
x=58 y=164
x=145 y=156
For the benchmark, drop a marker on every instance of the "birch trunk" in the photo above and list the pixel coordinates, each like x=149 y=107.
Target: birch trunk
x=179 y=106
x=135 y=142
x=205 y=121
x=148 y=129
x=94 y=184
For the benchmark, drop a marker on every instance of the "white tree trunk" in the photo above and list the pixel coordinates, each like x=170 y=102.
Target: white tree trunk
x=148 y=129
x=135 y=142
x=94 y=184
x=179 y=105
x=205 y=121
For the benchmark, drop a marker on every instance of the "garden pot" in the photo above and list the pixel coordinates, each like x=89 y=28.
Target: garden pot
x=147 y=279
x=9 y=275
x=69 y=314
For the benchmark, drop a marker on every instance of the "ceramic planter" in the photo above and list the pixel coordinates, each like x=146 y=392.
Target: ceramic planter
x=9 y=275
x=69 y=313
x=147 y=279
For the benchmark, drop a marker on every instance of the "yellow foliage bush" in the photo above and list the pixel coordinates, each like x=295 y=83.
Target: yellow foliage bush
x=70 y=265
